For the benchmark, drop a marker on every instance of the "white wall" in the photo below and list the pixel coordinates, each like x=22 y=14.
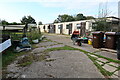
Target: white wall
x=57 y=30
x=74 y=26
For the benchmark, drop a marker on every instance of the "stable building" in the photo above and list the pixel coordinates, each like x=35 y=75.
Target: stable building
x=83 y=26
x=67 y=27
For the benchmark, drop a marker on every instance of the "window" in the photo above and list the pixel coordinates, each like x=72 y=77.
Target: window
x=78 y=26
x=67 y=26
x=59 y=26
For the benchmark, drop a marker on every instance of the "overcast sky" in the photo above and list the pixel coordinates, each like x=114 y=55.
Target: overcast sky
x=48 y=10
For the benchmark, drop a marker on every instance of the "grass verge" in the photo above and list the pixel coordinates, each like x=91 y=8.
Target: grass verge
x=9 y=55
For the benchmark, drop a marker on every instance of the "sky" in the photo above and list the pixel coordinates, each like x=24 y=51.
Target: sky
x=47 y=11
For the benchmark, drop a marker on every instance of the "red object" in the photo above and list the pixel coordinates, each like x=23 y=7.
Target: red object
x=76 y=32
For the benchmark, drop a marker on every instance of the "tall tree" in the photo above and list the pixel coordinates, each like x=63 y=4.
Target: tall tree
x=90 y=17
x=101 y=23
x=56 y=21
x=80 y=17
x=14 y=23
x=4 y=22
x=39 y=23
x=64 y=18
x=28 y=19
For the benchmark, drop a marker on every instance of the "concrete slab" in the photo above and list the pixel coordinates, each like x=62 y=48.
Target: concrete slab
x=40 y=49
x=116 y=73
x=102 y=59
x=114 y=64
x=86 y=47
x=109 y=68
x=109 y=50
x=99 y=62
x=107 y=54
x=93 y=56
x=46 y=44
x=114 y=76
x=67 y=64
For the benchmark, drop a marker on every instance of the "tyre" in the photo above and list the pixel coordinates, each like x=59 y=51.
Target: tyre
x=79 y=43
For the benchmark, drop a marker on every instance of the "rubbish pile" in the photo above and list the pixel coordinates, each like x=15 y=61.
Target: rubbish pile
x=23 y=45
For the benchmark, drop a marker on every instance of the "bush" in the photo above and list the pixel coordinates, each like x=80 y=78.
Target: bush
x=33 y=35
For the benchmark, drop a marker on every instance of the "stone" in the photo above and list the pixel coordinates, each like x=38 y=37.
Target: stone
x=116 y=73
x=114 y=64
x=114 y=76
x=93 y=55
x=16 y=75
x=99 y=62
x=107 y=54
x=109 y=68
x=13 y=68
x=23 y=76
x=46 y=44
x=102 y=59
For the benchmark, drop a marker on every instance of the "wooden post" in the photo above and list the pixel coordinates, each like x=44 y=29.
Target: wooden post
x=3 y=27
x=39 y=29
x=25 y=28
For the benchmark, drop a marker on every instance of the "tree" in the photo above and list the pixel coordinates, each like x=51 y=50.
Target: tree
x=56 y=21
x=64 y=18
x=101 y=23
x=67 y=18
x=40 y=23
x=28 y=19
x=89 y=17
x=80 y=17
x=4 y=22
x=14 y=23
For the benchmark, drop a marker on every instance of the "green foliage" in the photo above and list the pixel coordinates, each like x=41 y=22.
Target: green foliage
x=64 y=18
x=25 y=64
x=101 y=25
x=40 y=23
x=67 y=18
x=89 y=17
x=14 y=23
x=3 y=22
x=34 y=34
x=28 y=19
x=61 y=48
x=80 y=17
x=9 y=56
x=16 y=36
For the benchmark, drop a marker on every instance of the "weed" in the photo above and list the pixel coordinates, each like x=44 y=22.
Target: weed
x=25 y=64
